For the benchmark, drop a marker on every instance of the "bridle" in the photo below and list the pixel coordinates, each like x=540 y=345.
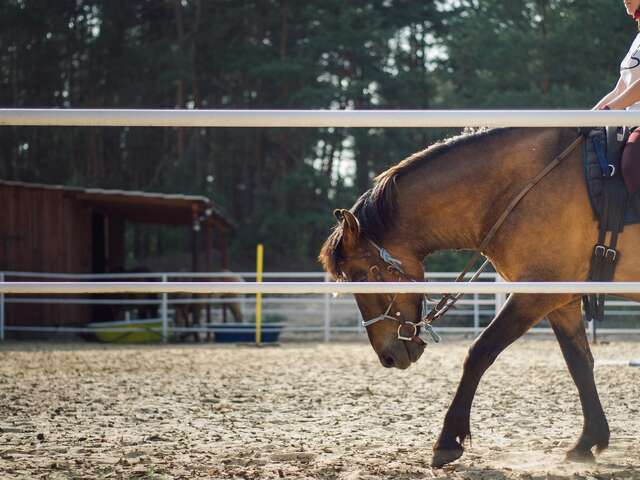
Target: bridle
x=426 y=317
x=449 y=300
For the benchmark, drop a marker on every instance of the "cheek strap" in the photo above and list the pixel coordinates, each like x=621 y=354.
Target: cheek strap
x=384 y=316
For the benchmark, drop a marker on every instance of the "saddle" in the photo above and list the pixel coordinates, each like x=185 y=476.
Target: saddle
x=609 y=201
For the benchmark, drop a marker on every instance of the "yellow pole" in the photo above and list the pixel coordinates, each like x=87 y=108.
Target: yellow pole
x=259 y=264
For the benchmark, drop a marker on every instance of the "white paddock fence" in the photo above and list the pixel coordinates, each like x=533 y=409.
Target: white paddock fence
x=316 y=118
x=321 y=314
x=313 y=119
x=303 y=304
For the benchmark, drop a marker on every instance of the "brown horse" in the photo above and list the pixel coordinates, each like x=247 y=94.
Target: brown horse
x=190 y=314
x=448 y=197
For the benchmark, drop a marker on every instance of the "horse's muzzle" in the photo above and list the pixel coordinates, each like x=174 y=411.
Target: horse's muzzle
x=401 y=355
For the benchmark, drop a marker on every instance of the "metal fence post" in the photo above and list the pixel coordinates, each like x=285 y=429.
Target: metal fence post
x=476 y=315
x=500 y=297
x=327 y=313
x=1 y=309
x=164 y=309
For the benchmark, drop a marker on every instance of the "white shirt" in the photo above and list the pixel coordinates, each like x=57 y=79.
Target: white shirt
x=630 y=68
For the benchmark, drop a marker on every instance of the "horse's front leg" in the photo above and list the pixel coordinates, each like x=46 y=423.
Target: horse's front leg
x=519 y=313
x=569 y=329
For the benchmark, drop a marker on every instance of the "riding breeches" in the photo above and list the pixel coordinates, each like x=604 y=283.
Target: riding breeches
x=631 y=162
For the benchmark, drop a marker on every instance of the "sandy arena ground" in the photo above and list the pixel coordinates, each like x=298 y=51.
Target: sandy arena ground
x=299 y=411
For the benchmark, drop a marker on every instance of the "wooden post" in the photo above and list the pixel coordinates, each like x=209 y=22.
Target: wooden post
x=208 y=255
x=224 y=260
x=1 y=310
x=195 y=228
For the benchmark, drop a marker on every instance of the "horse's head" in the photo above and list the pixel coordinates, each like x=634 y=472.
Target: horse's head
x=348 y=255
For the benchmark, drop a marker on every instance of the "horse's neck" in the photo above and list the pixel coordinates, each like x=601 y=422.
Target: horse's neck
x=452 y=201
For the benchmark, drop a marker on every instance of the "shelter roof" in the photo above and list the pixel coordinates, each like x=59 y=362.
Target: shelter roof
x=142 y=207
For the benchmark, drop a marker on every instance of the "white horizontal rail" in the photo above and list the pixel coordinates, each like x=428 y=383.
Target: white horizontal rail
x=248 y=302
x=317 y=287
x=289 y=328
x=316 y=118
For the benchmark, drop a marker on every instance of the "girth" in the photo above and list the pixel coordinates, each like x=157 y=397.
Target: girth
x=611 y=211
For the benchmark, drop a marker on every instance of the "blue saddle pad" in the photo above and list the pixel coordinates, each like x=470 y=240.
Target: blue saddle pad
x=594 y=176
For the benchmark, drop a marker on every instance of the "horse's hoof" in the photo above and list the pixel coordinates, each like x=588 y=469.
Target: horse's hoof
x=443 y=457
x=580 y=456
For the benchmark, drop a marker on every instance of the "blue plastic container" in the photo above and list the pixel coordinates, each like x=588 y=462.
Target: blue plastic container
x=245 y=333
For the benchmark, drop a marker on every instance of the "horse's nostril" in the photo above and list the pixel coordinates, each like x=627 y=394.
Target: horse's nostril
x=388 y=361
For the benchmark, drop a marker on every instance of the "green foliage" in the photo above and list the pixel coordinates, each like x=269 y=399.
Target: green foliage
x=542 y=53
x=280 y=185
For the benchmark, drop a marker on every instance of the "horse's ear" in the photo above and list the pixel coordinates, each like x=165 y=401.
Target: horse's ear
x=350 y=227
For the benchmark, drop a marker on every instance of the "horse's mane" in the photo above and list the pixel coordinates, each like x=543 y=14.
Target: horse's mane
x=376 y=208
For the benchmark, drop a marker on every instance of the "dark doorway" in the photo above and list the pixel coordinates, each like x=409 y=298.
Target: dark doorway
x=99 y=313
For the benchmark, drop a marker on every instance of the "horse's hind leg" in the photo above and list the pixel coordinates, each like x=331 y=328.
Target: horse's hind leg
x=519 y=314
x=234 y=306
x=569 y=329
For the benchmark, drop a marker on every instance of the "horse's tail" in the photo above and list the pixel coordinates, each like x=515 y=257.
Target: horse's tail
x=236 y=307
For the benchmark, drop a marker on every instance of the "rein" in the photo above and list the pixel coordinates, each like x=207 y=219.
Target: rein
x=449 y=300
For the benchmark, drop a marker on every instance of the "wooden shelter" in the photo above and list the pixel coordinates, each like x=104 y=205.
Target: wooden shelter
x=56 y=229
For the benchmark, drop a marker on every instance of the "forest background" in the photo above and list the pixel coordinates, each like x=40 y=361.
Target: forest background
x=281 y=185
